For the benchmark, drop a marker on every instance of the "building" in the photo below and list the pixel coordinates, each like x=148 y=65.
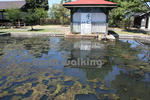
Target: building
x=89 y=16
x=9 y=5
x=142 y=20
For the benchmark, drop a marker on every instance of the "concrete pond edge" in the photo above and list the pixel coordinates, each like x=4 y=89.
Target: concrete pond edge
x=94 y=36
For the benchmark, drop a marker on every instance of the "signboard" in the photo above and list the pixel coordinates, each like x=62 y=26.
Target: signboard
x=86 y=27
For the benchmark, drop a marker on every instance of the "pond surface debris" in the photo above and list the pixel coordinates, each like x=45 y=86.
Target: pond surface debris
x=27 y=74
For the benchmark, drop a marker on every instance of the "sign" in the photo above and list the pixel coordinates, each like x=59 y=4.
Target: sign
x=86 y=27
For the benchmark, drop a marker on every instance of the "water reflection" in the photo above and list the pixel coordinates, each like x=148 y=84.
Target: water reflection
x=26 y=71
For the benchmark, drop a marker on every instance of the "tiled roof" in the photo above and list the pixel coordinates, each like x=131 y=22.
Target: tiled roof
x=90 y=2
x=12 y=4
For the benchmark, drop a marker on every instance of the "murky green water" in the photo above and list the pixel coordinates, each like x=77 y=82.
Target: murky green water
x=37 y=69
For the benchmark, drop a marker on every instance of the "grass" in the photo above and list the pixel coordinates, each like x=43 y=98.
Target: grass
x=130 y=32
x=28 y=30
x=46 y=28
x=65 y=29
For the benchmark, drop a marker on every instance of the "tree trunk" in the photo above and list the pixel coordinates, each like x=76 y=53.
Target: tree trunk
x=40 y=21
x=19 y=23
x=24 y=24
x=32 y=28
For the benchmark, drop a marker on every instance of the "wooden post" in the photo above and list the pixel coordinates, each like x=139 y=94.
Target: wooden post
x=19 y=24
x=106 y=29
x=106 y=10
x=71 y=25
x=2 y=15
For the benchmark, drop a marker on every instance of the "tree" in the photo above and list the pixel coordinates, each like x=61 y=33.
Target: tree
x=13 y=15
x=41 y=13
x=30 y=18
x=38 y=7
x=33 y=4
x=125 y=10
x=58 y=12
x=35 y=10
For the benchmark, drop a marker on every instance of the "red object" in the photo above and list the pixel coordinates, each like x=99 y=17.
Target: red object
x=90 y=2
x=70 y=32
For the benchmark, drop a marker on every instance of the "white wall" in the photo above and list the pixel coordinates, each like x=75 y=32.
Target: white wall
x=149 y=23
x=143 y=23
x=98 y=23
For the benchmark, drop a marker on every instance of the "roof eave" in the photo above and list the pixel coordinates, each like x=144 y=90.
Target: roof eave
x=91 y=5
x=144 y=13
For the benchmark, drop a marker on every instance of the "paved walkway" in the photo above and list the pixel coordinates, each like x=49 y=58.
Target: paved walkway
x=138 y=37
x=60 y=34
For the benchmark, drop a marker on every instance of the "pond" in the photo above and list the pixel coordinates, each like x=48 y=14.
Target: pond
x=53 y=68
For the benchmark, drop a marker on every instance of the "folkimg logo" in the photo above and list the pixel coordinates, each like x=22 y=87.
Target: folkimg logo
x=86 y=63
x=72 y=63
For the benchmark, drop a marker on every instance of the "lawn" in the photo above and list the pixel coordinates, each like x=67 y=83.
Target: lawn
x=45 y=28
x=66 y=29
x=130 y=32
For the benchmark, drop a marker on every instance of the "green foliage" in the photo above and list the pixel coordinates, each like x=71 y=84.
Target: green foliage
x=38 y=8
x=125 y=10
x=58 y=12
x=30 y=18
x=41 y=13
x=13 y=15
x=33 y=4
x=35 y=10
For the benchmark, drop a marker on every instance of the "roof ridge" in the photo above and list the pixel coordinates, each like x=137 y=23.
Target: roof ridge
x=99 y=2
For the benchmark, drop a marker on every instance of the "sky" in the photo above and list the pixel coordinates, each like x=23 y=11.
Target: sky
x=149 y=3
x=54 y=1
x=51 y=2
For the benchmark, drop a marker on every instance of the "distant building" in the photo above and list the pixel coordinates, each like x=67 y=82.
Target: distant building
x=142 y=20
x=89 y=16
x=9 y=5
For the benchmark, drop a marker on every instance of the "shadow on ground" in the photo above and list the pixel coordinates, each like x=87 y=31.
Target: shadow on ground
x=4 y=28
x=36 y=30
x=137 y=31
x=2 y=32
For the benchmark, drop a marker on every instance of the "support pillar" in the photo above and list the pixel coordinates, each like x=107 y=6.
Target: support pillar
x=106 y=29
x=149 y=22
